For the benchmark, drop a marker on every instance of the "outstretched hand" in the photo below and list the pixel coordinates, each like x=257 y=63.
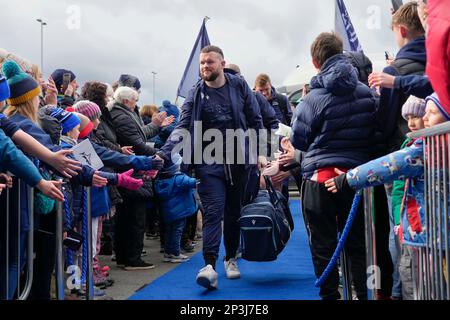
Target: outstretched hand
x=381 y=80
x=126 y=181
x=51 y=189
x=289 y=152
x=6 y=180
x=99 y=181
x=149 y=174
x=127 y=150
x=51 y=93
x=64 y=165
x=331 y=183
x=168 y=121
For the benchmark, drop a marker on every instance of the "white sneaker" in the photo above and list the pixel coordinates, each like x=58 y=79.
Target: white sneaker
x=208 y=277
x=232 y=269
x=175 y=259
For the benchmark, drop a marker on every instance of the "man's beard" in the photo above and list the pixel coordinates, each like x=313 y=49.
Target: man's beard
x=212 y=77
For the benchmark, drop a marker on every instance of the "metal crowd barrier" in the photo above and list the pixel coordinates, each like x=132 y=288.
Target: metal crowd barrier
x=60 y=256
x=371 y=256
x=371 y=249
x=6 y=258
x=346 y=277
x=430 y=265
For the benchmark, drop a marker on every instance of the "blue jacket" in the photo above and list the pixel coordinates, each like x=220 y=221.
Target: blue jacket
x=335 y=122
x=416 y=85
x=13 y=160
x=164 y=134
x=100 y=201
x=8 y=126
x=405 y=164
x=176 y=196
x=390 y=120
x=122 y=162
x=84 y=177
x=269 y=118
x=246 y=114
x=282 y=107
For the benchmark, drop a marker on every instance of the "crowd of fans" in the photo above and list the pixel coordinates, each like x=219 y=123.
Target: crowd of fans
x=349 y=132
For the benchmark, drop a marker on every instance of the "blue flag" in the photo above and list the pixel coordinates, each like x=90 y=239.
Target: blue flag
x=192 y=72
x=396 y=4
x=344 y=27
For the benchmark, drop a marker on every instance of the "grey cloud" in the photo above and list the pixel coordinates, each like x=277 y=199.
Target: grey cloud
x=138 y=37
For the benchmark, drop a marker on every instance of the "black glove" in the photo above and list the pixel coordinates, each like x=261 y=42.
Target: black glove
x=157 y=164
x=341 y=183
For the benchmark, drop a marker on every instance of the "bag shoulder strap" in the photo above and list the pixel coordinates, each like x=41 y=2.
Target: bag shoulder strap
x=271 y=190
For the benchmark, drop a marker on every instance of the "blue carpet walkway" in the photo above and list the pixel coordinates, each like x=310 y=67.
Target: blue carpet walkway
x=290 y=277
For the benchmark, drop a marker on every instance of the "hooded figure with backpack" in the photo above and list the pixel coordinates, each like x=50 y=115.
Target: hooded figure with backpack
x=334 y=126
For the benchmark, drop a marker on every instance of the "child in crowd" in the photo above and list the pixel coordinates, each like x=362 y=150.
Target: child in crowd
x=407 y=165
x=76 y=126
x=413 y=111
x=89 y=114
x=175 y=194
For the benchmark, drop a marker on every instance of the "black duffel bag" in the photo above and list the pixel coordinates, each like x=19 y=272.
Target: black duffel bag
x=266 y=225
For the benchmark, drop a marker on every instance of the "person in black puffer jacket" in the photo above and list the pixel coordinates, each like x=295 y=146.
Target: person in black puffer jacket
x=333 y=126
x=130 y=215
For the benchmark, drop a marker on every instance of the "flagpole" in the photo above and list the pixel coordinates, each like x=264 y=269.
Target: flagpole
x=205 y=19
x=334 y=25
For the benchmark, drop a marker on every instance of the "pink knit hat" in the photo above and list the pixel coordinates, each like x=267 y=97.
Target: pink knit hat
x=88 y=108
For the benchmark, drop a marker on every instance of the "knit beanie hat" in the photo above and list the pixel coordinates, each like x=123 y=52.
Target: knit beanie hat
x=413 y=107
x=4 y=89
x=68 y=120
x=58 y=76
x=445 y=111
x=130 y=81
x=3 y=55
x=88 y=108
x=86 y=125
x=173 y=166
x=23 y=64
x=23 y=87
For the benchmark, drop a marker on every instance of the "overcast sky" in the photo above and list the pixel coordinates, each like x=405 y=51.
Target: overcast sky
x=112 y=37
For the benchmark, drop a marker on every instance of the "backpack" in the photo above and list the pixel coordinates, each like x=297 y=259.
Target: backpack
x=265 y=225
x=362 y=63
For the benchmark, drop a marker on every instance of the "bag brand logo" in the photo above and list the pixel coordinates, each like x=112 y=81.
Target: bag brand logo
x=253 y=222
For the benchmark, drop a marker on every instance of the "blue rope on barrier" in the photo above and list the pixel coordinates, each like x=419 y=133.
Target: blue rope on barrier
x=85 y=238
x=341 y=243
x=68 y=215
